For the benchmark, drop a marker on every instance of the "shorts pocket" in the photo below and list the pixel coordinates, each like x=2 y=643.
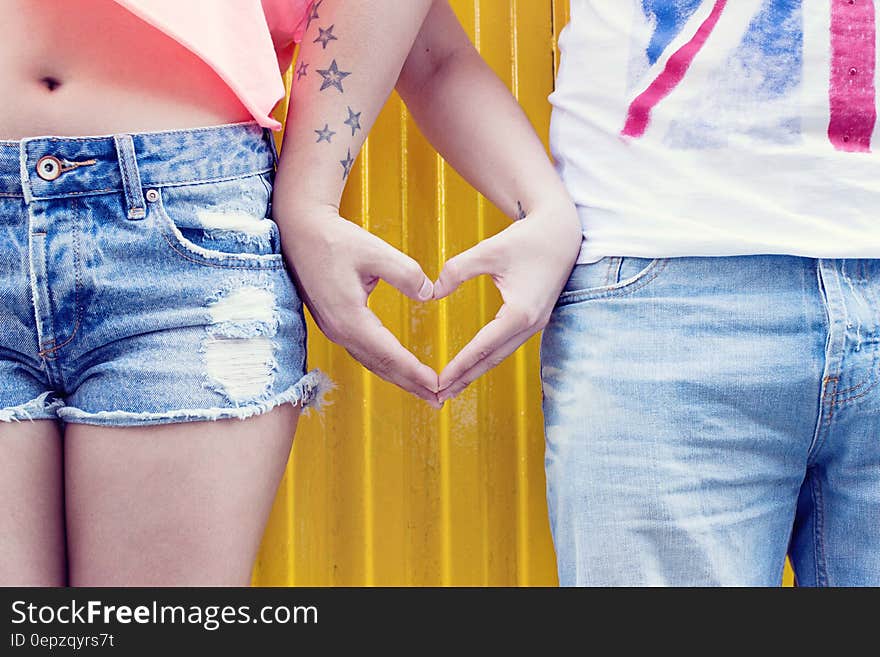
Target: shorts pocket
x=612 y=276
x=219 y=224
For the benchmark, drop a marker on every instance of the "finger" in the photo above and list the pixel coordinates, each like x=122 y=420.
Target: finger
x=507 y=323
x=466 y=265
x=375 y=347
x=402 y=272
x=455 y=388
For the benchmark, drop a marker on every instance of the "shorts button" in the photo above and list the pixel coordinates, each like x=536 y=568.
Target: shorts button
x=152 y=195
x=48 y=167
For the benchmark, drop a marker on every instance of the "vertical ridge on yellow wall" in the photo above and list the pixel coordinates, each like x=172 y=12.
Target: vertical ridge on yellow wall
x=483 y=397
x=443 y=419
x=405 y=327
x=368 y=481
x=522 y=563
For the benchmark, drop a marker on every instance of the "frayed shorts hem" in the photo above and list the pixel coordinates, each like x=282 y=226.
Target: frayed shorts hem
x=306 y=393
x=41 y=408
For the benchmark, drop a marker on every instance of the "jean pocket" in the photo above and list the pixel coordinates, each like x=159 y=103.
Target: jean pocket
x=220 y=224
x=612 y=276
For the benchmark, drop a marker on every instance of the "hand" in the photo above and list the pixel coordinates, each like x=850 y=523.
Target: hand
x=529 y=262
x=337 y=265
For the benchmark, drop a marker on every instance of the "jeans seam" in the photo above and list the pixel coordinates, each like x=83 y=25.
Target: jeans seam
x=166 y=225
x=145 y=184
x=658 y=266
x=204 y=181
x=126 y=181
x=218 y=266
x=608 y=271
x=269 y=189
x=149 y=133
x=48 y=351
x=827 y=404
x=52 y=197
x=864 y=392
x=818 y=532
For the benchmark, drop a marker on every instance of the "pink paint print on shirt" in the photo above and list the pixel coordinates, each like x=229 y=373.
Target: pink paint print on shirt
x=639 y=115
x=853 y=62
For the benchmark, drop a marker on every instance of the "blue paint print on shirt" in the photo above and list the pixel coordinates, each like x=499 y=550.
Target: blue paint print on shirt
x=774 y=46
x=669 y=18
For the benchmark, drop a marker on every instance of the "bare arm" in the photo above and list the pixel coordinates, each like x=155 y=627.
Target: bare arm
x=471 y=118
x=469 y=115
x=349 y=61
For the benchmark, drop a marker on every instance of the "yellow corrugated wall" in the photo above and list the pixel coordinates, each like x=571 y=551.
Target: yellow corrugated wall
x=381 y=489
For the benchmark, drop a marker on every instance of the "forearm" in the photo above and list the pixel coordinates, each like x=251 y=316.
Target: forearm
x=349 y=60
x=471 y=118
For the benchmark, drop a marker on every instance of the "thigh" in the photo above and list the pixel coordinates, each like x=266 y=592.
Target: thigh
x=679 y=406
x=175 y=505
x=836 y=538
x=31 y=504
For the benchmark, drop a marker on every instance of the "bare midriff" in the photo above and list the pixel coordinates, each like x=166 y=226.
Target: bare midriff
x=91 y=67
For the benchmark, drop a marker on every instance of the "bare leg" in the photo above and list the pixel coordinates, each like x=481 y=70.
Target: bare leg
x=173 y=505
x=31 y=504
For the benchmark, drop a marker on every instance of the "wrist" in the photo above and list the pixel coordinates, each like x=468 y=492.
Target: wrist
x=557 y=207
x=303 y=216
x=544 y=195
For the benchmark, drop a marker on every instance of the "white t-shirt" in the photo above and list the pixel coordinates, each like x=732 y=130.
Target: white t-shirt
x=720 y=127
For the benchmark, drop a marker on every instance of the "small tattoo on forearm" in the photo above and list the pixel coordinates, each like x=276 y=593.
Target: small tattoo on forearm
x=325 y=36
x=520 y=213
x=347 y=163
x=302 y=71
x=326 y=134
x=353 y=121
x=333 y=77
x=313 y=13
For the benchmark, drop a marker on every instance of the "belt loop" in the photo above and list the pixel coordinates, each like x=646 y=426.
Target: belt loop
x=23 y=172
x=131 y=179
x=272 y=146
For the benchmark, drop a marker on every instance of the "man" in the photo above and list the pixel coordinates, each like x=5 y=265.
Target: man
x=710 y=371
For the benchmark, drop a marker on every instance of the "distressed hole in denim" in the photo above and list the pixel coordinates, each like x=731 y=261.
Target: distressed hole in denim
x=238 y=348
x=243 y=366
x=244 y=312
x=236 y=226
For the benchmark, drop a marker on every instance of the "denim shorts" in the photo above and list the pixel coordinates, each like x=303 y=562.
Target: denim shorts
x=706 y=416
x=142 y=280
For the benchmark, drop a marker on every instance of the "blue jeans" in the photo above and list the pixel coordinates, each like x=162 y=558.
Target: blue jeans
x=706 y=416
x=142 y=280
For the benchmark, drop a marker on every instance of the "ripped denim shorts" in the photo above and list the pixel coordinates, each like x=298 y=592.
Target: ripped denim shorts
x=142 y=280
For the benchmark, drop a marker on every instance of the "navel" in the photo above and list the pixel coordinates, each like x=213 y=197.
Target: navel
x=51 y=83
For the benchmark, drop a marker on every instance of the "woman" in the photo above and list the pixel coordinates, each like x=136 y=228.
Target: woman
x=148 y=310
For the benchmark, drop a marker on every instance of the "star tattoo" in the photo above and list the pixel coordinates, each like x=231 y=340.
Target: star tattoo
x=313 y=13
x=520 y=213
x=302 y=71
x=325 y=135
x=333 y=77
x=325 y=36
x=347 y=163
x=353 y=121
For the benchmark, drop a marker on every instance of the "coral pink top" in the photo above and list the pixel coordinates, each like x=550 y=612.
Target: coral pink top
x=246 y=42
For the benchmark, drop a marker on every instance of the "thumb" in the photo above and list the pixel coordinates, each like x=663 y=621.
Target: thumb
x=402 y=272
x=463 y=267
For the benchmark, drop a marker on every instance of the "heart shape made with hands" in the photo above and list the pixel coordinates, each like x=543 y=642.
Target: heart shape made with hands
x=529 y=262
x=488 y=348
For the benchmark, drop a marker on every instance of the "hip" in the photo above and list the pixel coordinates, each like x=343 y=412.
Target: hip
x=716 y=330
x=115 y=236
